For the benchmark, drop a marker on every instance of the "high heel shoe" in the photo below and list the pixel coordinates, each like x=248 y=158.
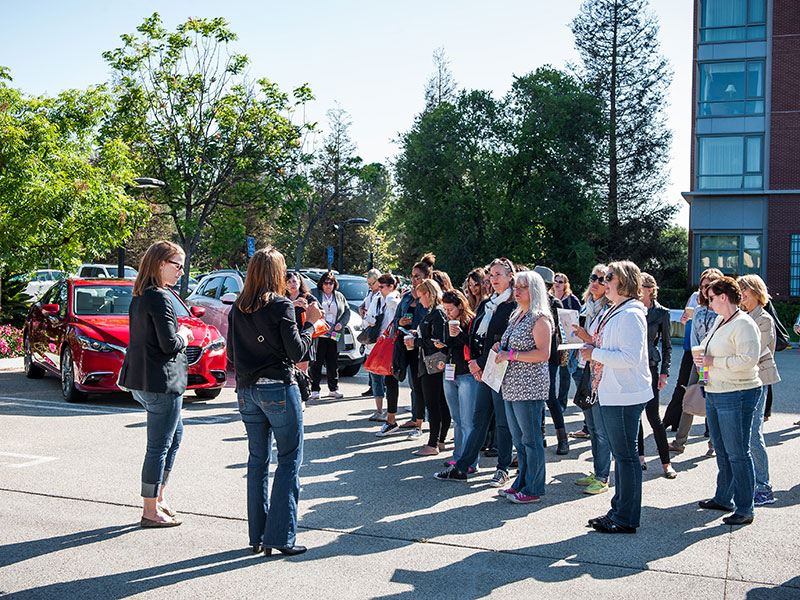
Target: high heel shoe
x=257 y=549
x=290 y=551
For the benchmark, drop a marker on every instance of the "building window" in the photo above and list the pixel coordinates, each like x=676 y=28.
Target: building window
x=732 y=88
x=732 y=20
x=731 y=254
x=729 y=162
x=794 y=266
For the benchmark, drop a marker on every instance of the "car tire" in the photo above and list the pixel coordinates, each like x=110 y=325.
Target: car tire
x=68 y=389
x=32 y=371
x=350 y=370
x=208 y=393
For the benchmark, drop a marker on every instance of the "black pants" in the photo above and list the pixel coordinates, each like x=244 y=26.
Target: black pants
x=651 y=409
x=392 y=393
x=438 y=413
x=418 y=408
x=328 y=355
x=768 y=405
x=672 y=416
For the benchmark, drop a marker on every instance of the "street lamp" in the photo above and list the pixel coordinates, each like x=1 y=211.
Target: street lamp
x=140 y=183
x=340 y=228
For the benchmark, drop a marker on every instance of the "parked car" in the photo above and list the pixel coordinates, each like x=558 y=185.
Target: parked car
x=39 y=281
x=192 y=285
x=79 y=332
x=107 y=271
x=217 y=291
x=354 y=287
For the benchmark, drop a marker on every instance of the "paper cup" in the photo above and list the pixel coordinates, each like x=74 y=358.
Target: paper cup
x=689 y=310
x=697 y=350
x=453 y=323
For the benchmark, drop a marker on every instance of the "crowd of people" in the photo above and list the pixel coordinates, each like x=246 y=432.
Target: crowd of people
x=488 y=360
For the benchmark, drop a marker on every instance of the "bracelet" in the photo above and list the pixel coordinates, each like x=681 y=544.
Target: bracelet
x=511 y=355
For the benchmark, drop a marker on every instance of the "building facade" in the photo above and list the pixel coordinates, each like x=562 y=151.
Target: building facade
x=745 y=179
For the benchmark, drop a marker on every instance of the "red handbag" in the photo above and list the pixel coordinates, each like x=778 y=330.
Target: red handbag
x=379 y=360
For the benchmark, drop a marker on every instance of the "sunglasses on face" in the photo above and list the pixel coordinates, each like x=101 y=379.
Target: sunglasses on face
x=327 y=282
x=559 y=281
x=598 y=278
x=610 y=276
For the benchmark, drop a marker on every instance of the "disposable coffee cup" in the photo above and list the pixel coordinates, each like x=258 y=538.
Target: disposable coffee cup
x=702 y=372
x=697 y=351
x=689 y=310
x=408 y=338
x=453 y=323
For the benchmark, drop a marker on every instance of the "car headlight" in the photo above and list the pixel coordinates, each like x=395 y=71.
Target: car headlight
x=88 y=343
x=218 y=345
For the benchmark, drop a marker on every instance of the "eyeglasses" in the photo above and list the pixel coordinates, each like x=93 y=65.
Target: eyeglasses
x=417 y=276
x=327 y=282
x=648 y=287
x=382 y=285
x=710 y=297
x=178 y=265
x=598 y=278
x=520 y=287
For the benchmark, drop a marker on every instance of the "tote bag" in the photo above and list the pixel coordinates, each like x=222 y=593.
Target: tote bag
x=379 y=360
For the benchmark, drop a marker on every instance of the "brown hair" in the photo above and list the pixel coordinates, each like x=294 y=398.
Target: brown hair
x=266 y=278
x=149 y=275
x=388 y=279
x=728 y=286
x=567 y=288
x=329 y=276
x=477 y=275
x=425 y=265
x=302 y=288
x=431 y=287
x=755 y=284
x=459 y=300
x=629 y=277
x=443 y=279
x=505 y=263
x=712 y=275
x=650 y=281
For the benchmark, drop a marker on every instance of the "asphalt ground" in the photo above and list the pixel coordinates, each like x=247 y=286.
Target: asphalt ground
x=376 y=522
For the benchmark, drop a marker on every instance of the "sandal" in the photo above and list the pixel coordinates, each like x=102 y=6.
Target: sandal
x=409 y=425
x=580 y=434
x=426 y=451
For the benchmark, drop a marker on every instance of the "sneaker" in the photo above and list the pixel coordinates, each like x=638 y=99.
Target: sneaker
x=675 y=449
x=387 y=429
x=335 y=394
x=450 y=474
x=500 y=479
x=378 y=415
x=315 y=395
x=596 y=487
x=520 y=498
x=490 y=453
x=763 y=498
x=473 y=470
x=367 y=393
x=449 y=463
x=506 y=492
x=585 y=480
x=415 y=434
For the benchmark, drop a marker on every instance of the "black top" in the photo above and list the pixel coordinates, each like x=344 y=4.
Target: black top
x=555 y=355
x=155 y=361
x=431 y=328
x=282 y=345
x=455 y=349
x=299 y=317
x=658 y=330
x=479 y=348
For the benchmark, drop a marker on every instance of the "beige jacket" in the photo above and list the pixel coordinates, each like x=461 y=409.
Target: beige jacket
x=736 y=348
x=767 y=369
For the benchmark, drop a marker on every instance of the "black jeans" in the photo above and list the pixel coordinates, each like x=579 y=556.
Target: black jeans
x=328 y=355
x=672 y=416
x=418 y=405
x=438 y=412
x=651 y=409
x=392 y=393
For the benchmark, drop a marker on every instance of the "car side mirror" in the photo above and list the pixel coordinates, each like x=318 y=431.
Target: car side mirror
x=228 y=298
x=51 y=309
x=198 y=311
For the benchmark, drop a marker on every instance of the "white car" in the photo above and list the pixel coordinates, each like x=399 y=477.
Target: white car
x=105 y=271
x=40 y=282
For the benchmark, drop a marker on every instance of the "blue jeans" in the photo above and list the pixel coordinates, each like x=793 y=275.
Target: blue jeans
x=621 y=424
x=164 y=433
x=564 y=381
x=601 y=451
x=523 y=421
x=730 y=419
x=758 y=448
x=377 y=384
x=461 y=395
x=272 y=409
x=486 y=402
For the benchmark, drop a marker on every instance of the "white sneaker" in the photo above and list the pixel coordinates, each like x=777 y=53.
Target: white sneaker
x=315 y=395
x=378 y=415
x=335 y=394
x=500 y=479
x=415 y=434
x=387 y=429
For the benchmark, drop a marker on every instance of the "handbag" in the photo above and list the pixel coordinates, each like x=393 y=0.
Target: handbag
x=379 y=360
x=584 y=399
x=370 y=334
x=694 y=402
x=434 y=363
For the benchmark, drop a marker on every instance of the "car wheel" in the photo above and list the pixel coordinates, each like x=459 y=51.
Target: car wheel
x=350 y=370
x=207 y=392
x=68 y=389
x=32 y=371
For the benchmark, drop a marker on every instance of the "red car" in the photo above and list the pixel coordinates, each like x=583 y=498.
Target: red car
x=79 y=332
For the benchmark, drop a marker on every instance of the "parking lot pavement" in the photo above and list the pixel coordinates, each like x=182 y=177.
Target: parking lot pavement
x=376 y=523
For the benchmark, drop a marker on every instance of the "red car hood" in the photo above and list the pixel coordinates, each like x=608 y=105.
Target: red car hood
x=114 y=329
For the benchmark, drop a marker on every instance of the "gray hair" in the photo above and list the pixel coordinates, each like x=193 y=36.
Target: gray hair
x=373 y=274
x=537 y=292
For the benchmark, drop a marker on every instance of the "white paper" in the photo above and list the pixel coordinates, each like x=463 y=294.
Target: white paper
x=567 y=319
x=493 y=373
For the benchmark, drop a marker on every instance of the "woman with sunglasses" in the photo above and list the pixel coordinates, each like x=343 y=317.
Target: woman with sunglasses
x=731 y=350
x=337 y=314
x=473 y=287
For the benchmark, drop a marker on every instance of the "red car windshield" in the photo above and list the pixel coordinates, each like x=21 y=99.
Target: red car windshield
x=112 y=300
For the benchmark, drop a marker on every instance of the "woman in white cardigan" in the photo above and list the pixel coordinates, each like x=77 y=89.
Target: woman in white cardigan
x=621 y=380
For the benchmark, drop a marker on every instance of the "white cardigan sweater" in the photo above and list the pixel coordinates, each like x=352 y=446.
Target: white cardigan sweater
x=626 y=372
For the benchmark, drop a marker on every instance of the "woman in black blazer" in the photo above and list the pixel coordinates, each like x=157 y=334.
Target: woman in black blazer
x=155 y=370
x=336 y=312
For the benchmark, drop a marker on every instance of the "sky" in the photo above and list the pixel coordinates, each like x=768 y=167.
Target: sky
x=371 y=59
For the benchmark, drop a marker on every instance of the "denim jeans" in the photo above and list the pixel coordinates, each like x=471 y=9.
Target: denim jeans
x=621 y=424
x=758 y=448
x=564 y=381
x=377 y=384
x=730 y=419
x=487 y=401
x=272 y=409
x=556 y=412
x=461 y=396
x=164 y=433
x=523 y=421
x=601 y=451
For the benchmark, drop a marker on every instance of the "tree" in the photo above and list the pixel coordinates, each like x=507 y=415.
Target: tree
x=441 y=86
x=197 y=122
x=618 y=44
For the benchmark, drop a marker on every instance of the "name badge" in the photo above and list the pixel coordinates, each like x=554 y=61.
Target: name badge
x=335 y=335
x=450 y=372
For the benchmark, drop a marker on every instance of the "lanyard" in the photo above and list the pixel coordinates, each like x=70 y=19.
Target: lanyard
x=725 y=322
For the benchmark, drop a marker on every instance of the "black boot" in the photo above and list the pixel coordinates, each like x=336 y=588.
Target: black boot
x=563 y=444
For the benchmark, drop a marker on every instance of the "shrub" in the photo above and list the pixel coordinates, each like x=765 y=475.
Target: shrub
x=787 y=312
x=15 y=302
x=10 y=342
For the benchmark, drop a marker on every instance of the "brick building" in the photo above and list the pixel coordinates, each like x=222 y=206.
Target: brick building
x=745 y=184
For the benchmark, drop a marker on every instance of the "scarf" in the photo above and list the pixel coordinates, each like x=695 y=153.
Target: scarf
x=489 y=308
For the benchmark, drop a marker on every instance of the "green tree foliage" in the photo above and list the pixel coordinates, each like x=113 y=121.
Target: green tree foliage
x=666 y=257
x=62 y=193
x=619 y=48
x=481 y=177
x=198 y=123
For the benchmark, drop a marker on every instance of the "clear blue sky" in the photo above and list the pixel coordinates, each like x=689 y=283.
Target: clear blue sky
x=372 y=58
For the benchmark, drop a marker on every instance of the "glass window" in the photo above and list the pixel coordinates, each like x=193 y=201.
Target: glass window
x=230 y=285
x=731 y=254
x=732 y=20
x=210 y=288
x=729 y=162
x=794 y=266
x=731 y=88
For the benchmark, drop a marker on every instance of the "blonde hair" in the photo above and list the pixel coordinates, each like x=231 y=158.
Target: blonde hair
x=601 y=268
x=149 y=275
x=650 y=281
x=567 y=288
x=266 y=277
x=630 y=278
x=429 y=286
x=755 y=284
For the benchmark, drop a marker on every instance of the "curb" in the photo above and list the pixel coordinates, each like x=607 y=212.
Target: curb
x=12 y=364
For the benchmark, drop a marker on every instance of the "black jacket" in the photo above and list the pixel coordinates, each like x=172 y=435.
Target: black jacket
x=658 y=331
x=555 y=354
x=479 y=349
x=431 y=328
x=155 y=361
x=282 y=345
x=455 y=349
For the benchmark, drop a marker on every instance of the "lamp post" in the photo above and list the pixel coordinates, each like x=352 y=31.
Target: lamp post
x=340 y=227
x=140 y=183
